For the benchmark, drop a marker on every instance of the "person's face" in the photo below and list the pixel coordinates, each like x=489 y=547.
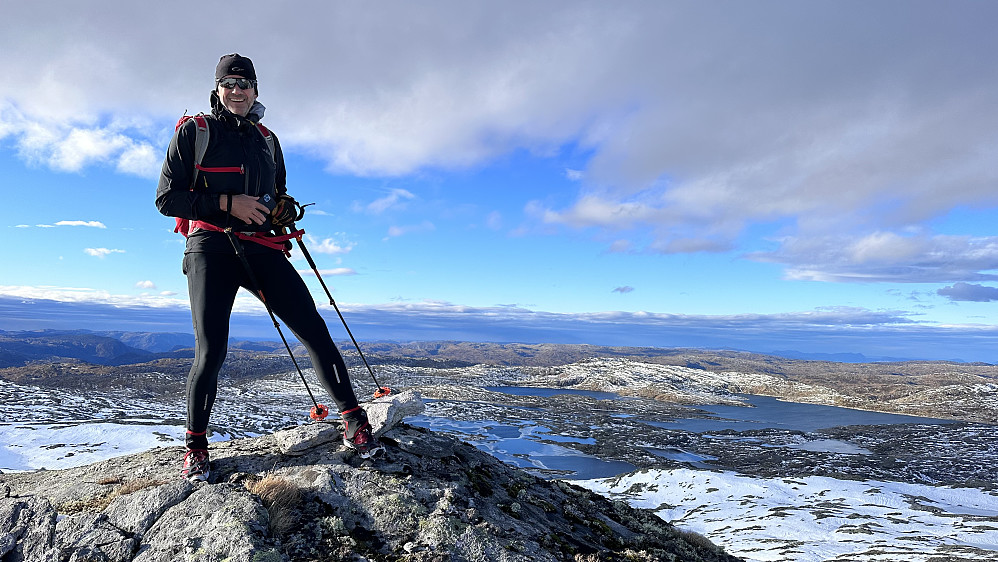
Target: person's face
x=236 y=99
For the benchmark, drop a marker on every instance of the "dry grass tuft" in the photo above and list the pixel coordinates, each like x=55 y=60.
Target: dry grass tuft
x=136 y=485
x=281 y=498
x=98 y=503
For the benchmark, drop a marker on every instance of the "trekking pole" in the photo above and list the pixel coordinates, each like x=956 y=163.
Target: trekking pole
x=382 y=390
x=319 y=411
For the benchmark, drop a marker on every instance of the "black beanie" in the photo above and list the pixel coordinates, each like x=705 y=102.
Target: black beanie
x=235 y=64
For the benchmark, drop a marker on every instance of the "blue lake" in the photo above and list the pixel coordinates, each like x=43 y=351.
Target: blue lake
x=520 y=445
x=771 y=413
x=518 y=442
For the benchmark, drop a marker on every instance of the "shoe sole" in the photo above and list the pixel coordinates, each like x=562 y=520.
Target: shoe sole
x=370 y=453
x=380 y=451
x=194 y=478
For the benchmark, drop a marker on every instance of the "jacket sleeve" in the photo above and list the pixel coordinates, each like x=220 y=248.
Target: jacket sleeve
x=174 y=197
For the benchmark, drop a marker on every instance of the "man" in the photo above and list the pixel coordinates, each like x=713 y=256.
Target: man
x=241 y=169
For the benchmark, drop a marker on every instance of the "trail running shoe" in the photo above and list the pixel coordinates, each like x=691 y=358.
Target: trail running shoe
x=357 y=434
x=196 y=465
x=362 y=442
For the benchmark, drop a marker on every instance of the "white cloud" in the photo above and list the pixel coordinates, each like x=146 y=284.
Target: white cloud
x=245 y=303
x=605 y=213
x=969 y=292
x=887 y=257
x=102 y=252
x=809 y=115
x=70 y=145
x=145 y=284
x=80 y=146
x=92 y=224
x=88 y=295
x=392 y=200
x=327 y=246
x=329 y=272
x=140 y=160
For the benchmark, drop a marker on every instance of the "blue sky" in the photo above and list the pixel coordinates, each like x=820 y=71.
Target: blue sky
x=816 y=176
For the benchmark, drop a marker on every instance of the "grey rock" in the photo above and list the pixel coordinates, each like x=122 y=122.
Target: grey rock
x=382 y=413
x=135 y=513
x=430 y=445
x=7 y=543
x=430 y=498
x=221 y=522
x=27 y=529
x=387 y=412
x=296 y=440
x=90 y=536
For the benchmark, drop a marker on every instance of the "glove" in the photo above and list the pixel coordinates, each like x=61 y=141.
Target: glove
x=287 y=211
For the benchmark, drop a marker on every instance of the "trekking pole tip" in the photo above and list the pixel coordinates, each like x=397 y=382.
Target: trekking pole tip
x=382 y=392
x=319 y=412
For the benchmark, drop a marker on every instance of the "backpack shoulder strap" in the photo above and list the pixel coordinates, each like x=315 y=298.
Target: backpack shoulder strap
x=269 y=137
x=200 y=139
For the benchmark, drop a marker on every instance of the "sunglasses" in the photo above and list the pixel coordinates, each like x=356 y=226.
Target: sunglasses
x=243 y=83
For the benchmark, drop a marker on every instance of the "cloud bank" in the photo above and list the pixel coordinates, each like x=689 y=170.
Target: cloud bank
x=969 y=292
x=843 y=128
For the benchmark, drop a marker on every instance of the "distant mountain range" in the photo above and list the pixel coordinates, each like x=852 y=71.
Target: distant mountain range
x=834 y=357
x=112 y=348
x=19 y=348
x=105 y=347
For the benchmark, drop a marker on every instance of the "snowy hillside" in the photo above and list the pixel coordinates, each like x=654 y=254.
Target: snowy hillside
x=816 y=519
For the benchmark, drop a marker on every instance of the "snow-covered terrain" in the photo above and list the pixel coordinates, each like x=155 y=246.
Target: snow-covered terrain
x=52 y=446
x=809 y=518
x=814 y=518
x=51 y=429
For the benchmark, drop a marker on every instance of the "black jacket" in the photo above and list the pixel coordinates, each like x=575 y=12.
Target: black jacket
x=234 y=141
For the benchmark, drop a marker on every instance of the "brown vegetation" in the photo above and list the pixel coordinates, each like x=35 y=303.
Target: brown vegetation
x=281 y=498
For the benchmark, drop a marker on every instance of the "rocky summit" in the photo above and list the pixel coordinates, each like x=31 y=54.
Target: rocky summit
x=299 y=495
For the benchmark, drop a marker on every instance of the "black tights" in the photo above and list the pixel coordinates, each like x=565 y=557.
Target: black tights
x=212 y=281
